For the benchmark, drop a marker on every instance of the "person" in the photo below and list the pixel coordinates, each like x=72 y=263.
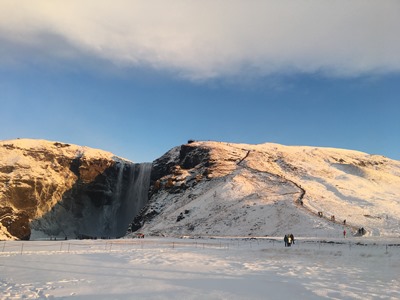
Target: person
x=292 y=238
x=289 y=241
x=344 y=233
x=286 y=240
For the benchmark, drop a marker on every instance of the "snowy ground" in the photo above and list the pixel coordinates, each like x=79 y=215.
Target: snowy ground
x=157 y=268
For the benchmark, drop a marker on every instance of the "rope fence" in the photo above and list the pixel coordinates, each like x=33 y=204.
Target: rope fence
x=91 y=246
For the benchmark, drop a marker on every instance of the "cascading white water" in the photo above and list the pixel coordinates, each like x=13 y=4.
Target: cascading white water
x=135 y=198
x=129 y=196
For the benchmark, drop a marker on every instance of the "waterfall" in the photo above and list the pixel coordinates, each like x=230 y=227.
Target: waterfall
x=128 y=196
x=102 y=208
x=136 y=196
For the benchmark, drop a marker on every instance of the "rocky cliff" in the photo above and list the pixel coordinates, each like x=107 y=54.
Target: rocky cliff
x=67 y=190
x=213 y=188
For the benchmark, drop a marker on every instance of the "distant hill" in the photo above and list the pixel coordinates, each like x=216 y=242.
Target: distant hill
x=225 y=189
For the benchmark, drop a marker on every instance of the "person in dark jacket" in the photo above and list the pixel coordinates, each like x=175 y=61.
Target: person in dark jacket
x=286 y=240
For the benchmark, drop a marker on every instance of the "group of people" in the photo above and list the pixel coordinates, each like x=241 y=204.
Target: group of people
x=288 y=239
x=361 y=231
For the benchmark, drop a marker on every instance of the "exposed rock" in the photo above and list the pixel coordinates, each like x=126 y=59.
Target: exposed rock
x=185 y=166
x=191 y=156
x=15 y=223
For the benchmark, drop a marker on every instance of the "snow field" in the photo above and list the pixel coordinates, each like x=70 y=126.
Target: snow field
x=204 y=268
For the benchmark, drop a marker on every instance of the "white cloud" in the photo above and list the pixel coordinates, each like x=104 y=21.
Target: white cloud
x=209 y=38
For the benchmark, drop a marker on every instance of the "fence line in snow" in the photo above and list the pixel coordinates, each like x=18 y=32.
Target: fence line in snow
x=90 y=246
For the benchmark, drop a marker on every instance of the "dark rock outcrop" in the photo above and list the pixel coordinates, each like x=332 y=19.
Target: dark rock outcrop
x=170 y=170
x=16 y=223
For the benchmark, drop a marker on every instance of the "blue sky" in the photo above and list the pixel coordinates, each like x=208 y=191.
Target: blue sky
x=134 y=81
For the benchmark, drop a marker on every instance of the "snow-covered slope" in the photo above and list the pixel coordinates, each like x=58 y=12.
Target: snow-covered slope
x=214 y=188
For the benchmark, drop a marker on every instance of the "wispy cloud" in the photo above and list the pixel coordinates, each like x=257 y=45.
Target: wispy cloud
x=208 y=39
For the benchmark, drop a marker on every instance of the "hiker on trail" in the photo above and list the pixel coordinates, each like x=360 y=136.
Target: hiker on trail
x=344 y=233
x=292 y=238
x=286 y=240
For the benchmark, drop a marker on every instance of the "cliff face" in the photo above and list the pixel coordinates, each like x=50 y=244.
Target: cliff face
x=64 y=189
x=213 y=188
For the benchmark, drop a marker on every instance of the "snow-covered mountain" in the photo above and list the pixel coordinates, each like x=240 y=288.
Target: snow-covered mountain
x=67 y=190
x=200 y=188
x=223 y=189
